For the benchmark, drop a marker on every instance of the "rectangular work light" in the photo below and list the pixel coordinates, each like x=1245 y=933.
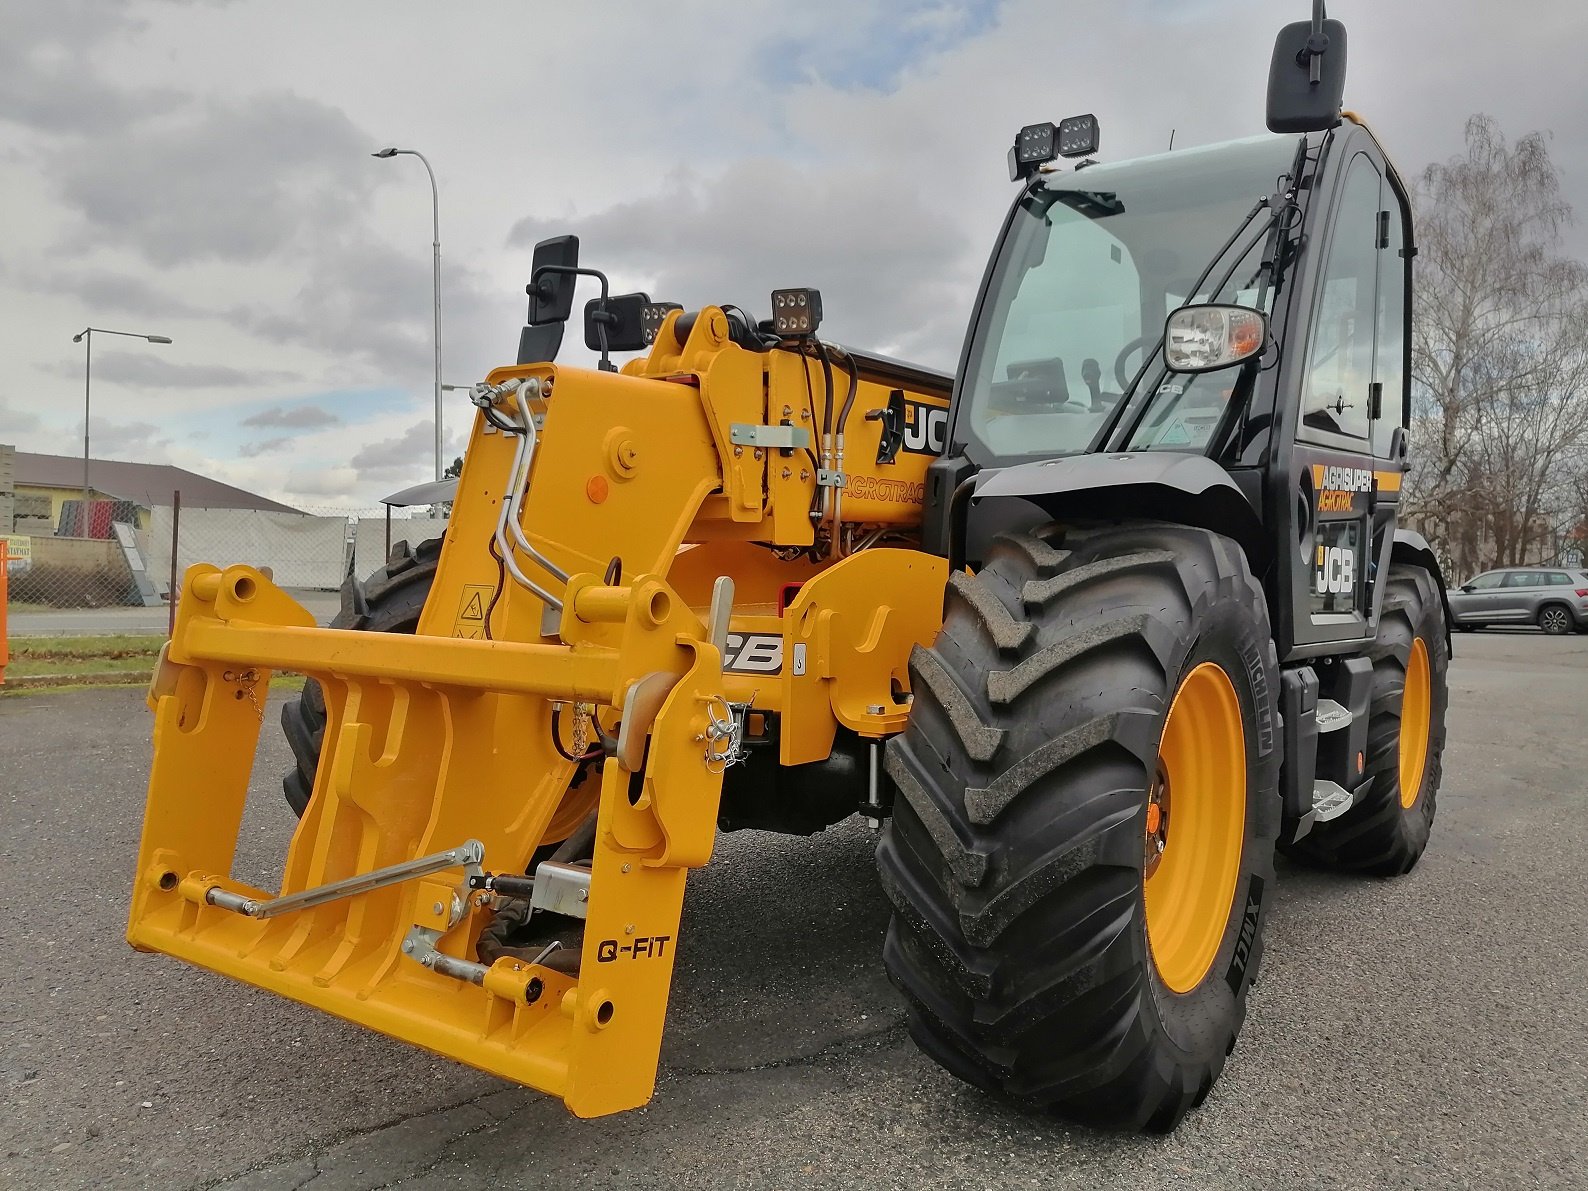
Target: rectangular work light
x=796 y=312
x=1034 y=144
x=1078 y=136
x=652 y=316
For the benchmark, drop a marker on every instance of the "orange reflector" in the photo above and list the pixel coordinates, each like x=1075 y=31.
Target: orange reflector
x=596 y=489
x=1246 y=335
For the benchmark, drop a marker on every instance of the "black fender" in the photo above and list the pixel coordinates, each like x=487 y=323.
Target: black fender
x=1137 y=485
x=1410 y=546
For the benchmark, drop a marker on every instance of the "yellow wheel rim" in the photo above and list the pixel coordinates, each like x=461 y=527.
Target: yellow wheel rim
x=1416 y=707
x=1196 y=819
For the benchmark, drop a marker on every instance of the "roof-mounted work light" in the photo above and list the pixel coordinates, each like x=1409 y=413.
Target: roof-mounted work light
x=652 y=316
x=1074 y=136
x=796 y=312
x=1078 y=136
x=1035 y=144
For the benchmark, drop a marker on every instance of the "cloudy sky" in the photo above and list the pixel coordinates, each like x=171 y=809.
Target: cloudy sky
x=202 y=171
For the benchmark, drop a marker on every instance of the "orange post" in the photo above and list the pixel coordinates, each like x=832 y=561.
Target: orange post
x=5 y=650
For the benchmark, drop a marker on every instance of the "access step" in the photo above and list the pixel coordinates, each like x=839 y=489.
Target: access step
x=1332 y=716
x=1330 y=800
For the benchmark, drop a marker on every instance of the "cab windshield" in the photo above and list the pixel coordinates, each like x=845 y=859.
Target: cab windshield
x=1094 y=262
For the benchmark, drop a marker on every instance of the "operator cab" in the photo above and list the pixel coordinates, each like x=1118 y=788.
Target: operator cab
x=1225 y=325
x=1090 y=266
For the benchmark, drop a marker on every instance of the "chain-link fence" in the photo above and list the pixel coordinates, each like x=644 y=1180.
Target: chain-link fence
x=118 y=576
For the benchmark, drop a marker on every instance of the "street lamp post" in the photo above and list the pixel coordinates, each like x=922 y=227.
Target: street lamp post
x=86 y=338
x=455 y=389
x=435 y=249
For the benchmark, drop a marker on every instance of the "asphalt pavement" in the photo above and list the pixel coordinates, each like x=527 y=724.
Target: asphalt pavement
x=1422 y=1032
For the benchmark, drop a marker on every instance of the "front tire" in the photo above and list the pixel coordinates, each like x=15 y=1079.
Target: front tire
x=393 y=596
x=1066 y=931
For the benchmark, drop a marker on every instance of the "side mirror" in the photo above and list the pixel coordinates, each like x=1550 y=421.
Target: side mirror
x=1210 y=336
x=1467 y=587
x=1306 y=80
x=622 y=317
x=551 y=280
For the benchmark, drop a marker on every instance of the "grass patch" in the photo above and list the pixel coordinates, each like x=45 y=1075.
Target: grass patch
x=85 y=667
x=82 y=661
x=72 y=663
x=122 y=645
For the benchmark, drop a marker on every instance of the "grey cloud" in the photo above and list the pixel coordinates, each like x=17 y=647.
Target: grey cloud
x=336 y=483
x=297 y=417
x=393 y=457
x=47 y=80
x=222 y=181
x=141 y=442
x=16 y=424
x=148 y=370
x=117 y=292
x=889 y=265
x=262 y=446
x=371 y=306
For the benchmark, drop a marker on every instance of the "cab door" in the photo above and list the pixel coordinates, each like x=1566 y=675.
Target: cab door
x=1349 y=422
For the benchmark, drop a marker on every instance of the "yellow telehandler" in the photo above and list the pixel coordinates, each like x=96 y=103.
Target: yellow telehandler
x=1085 y=653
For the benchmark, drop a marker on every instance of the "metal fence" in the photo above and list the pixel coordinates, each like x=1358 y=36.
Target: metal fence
x=123 y=571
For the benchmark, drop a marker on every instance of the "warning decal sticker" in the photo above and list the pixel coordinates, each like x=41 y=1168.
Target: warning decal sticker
x=472 y=605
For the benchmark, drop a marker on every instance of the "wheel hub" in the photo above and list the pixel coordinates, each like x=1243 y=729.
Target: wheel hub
x=1157 y=836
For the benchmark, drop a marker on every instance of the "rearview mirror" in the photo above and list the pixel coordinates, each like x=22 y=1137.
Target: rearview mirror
x=1210 y=336
x=551 y=280
x=1306 y=79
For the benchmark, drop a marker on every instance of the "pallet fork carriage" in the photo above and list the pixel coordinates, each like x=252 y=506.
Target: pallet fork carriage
x=1084 y=658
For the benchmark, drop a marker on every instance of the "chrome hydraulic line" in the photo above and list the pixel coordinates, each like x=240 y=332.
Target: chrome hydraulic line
x=507 y=519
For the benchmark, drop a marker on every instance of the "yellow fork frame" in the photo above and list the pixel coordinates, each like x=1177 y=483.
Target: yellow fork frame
x=442 y=738
x=438 y=741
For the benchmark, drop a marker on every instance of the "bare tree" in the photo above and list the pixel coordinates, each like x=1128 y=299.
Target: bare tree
x=1499 y=352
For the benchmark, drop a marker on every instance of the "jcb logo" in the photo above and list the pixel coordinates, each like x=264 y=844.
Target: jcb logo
x=1336 y=570
x=925 y=428
x=753 y=653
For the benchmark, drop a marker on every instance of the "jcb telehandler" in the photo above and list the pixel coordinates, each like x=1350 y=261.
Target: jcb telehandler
x=1089 y=627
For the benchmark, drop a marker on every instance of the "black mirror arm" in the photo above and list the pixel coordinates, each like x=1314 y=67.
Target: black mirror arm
x=1317 y=44
x=535 y=290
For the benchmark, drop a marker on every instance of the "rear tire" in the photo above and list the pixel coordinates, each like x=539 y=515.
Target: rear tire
x=394 y=596
x=1555 y=620
x=1022 y=934
x=1386 y=832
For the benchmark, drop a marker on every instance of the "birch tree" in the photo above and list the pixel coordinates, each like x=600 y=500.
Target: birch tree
x=1499 y=352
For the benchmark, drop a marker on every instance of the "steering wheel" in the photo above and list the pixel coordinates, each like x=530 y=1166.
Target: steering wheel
x=1119 y=361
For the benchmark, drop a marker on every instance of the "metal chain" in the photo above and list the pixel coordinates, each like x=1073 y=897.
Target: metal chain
x=247 y=680
x=581 y=728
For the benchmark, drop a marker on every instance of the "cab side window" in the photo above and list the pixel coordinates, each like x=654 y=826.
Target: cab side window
x=1339 y=372
x=1486 y=582
x=1390 y=370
